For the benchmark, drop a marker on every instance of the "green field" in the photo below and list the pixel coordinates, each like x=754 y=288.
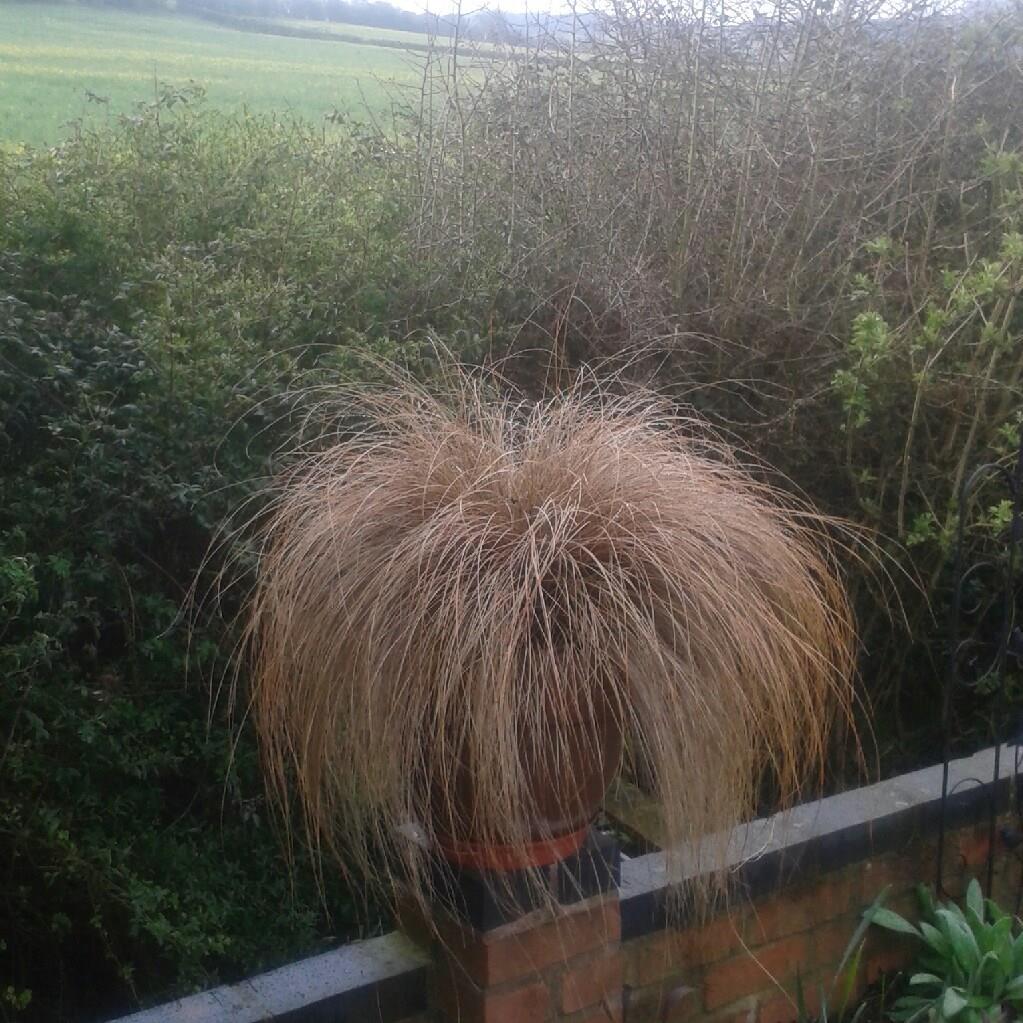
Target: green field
x=386 y=35
x=53 y=56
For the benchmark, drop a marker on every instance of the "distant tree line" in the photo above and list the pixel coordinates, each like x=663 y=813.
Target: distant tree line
x=373 y=13
x=493 y=26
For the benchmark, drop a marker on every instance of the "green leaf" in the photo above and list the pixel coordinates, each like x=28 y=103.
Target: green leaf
x=891 y=921
x=801 y=1013
x=952 y=1003
x=1001 y=931
x=1014 y=988
x=848 y=985
x=849 y=965
x=954 y=910
x=964 y=944
x=908 y=1001
x=858 y=1014
x=935 y=939
x=1017 y=953
x=976 y=979
x=994 y=912
x=981 y=1002
x=975 y=899
x=909 y=1008
x=923 y=893
x=925 y=978
x=906 y=1015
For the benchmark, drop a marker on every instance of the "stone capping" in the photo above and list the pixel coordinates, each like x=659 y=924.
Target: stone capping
x=386 y=975
x=768 y=853
x=384 y=978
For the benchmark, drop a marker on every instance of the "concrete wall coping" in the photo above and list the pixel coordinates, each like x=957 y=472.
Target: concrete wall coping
x=331 y=985
x=826 y=834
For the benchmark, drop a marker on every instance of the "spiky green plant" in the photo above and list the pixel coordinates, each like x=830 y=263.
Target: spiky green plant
x=970 y=966
x=467 y=588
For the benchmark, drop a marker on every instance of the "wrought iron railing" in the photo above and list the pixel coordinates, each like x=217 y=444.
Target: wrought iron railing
x=985 y=586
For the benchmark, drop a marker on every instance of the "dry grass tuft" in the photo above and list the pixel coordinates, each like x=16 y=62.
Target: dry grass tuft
x=473 y=586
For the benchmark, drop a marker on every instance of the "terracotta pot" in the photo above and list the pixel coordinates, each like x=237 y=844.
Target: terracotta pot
x=563 y=801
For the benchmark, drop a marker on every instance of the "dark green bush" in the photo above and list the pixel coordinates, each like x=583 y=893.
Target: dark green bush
x=970 y=966
x=171 y=296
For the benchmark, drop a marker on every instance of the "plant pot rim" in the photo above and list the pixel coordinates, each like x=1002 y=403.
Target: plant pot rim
x=492 y=856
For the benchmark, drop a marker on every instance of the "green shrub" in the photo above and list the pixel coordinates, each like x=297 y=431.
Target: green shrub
x=928 y=389
x=174 y=294
x=970 y=968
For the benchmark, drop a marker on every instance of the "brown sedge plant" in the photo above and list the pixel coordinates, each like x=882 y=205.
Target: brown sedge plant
x=470 y=606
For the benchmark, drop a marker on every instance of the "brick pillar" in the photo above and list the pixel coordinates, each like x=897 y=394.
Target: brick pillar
x=497 y=959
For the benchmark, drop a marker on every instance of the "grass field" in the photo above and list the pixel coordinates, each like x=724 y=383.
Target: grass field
x=387 y=35
x=53 y=56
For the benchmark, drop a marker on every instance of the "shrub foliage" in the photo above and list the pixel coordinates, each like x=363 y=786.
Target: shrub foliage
x=161 y=288
x=807 y=223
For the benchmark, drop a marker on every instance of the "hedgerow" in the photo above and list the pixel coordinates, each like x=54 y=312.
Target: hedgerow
x=172 y=292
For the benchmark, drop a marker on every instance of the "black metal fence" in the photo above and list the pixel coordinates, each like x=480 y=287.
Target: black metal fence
x=985 y=642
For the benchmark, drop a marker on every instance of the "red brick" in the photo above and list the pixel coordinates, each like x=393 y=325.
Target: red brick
x=779 y=1009
x=671 y=951
x=458 y=1000
x=783 y=1007
x=974 y=847
x=789 y=912
x=749 y=973
x=527 y=1003
x=593 y=982
x=670 y=1001
x=901 y=871
x=744 y=1011
x=648 y=961
x=531 y=944
x=906 y=904
x=828 y=944
x=713 y=941
x=886 y=960
x=612 y=1014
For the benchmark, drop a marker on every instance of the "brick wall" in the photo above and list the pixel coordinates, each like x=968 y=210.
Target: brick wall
x=564 y=966
x=739 y=964
x=797 y=901
x=742 y=963
x=613 y=952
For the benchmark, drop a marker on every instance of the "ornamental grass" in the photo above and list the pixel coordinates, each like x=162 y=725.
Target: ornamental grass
x=465 y=601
